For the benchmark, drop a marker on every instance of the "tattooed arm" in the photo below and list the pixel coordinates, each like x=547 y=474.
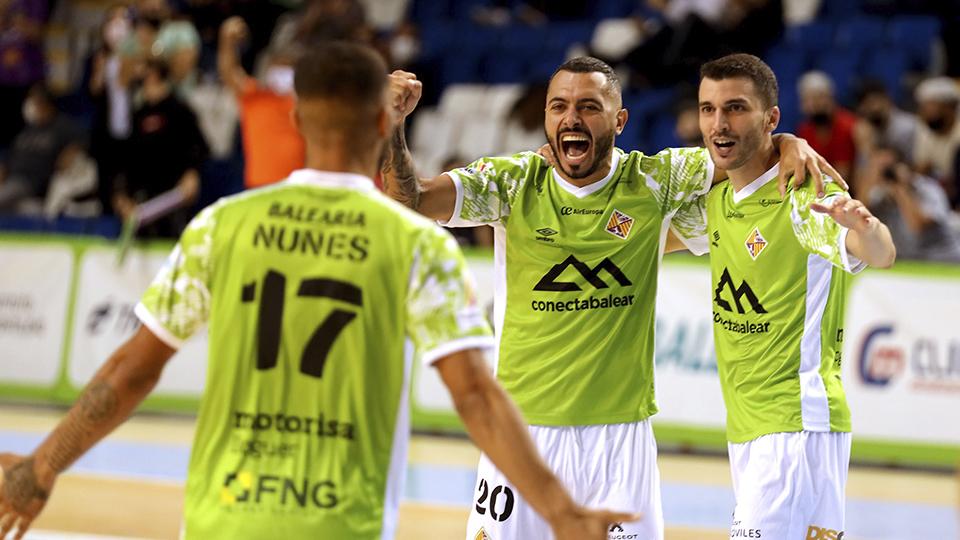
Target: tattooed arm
x=432 y=197
x=113 y=393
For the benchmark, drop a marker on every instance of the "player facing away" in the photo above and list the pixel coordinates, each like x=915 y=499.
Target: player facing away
x=780 y=271
x=317 y=291
x=577 y=250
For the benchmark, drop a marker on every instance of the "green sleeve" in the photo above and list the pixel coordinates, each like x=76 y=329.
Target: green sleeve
x=177 y=302
x=443 y=313
x=487 y=188
x=818 y=233
x=677 y=176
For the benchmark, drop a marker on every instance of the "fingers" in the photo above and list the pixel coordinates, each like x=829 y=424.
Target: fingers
x=547 y=153
x=22 y=528
x=834 y=174
x=7 y=520
x=622 y=517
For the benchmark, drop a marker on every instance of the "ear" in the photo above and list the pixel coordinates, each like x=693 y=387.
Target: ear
x=622 y=116
x=385 y=122
x=774 y=119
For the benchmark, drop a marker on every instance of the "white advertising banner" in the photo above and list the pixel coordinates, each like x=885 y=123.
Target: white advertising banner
x=902 y=358
x=688 y=387
x=34 y=297
x=104 y=319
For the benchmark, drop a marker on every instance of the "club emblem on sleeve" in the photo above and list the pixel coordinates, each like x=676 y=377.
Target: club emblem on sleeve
x=481 y=535
x=619 y=224
x=756 y=243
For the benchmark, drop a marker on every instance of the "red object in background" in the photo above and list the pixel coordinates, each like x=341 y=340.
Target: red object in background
x=837 y=146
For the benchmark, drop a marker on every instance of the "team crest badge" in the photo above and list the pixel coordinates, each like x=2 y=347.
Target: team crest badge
x=756 y=243
x=619 y=224
x=482 y=535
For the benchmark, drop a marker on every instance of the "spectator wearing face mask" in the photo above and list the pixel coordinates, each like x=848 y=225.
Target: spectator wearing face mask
x=827 y=126
x=159 y=33
x=272 y=146
x=48 y=143
x=166 y=151
x=938 y=138
x=110 y=90
x=881 y=123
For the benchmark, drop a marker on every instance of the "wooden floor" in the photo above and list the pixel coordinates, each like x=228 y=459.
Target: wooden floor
x=138 y=508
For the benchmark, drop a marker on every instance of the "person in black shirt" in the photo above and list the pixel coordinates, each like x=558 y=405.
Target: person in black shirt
x=166 y=150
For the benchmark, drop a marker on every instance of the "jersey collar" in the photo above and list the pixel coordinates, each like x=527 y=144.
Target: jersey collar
x=754 y=186
x=331 y=179
x=581 y=192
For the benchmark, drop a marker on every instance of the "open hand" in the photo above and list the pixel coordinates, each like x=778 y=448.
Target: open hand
x=546 y=152
x=797 y=156
x=848 y=212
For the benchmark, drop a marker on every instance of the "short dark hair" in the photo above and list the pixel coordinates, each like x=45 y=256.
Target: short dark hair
x=589 y=64
x=746 y=66
x=343 y=71
x=871 y=87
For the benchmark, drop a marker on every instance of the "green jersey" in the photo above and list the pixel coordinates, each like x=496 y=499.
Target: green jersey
x=576 y=277
x=318 y=292
x=780 y=273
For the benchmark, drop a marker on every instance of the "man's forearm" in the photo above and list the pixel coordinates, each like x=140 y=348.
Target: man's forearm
x=399 y=178
x=113 y=393
x=495 y=425
x=873 y=246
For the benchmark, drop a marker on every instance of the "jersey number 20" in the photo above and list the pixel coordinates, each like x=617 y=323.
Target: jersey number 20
x=270 y=318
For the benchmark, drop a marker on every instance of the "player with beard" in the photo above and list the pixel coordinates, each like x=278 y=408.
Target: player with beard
x=577 y=250
x=780 y=271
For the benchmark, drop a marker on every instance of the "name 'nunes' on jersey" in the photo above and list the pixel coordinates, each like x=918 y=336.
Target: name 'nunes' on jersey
x=577 y=268
x=779 y=274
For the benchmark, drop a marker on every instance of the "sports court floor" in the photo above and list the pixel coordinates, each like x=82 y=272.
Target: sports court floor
x=131 y=486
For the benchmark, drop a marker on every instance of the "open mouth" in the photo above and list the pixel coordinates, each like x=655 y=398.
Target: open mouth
x=724 y=146
x=574 y=147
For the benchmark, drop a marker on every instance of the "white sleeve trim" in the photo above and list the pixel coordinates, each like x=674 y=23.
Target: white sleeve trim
x=455 y=220
x=699 y=245
x=450 y=347
x=155 y=326
x=711 y=171
x=850 y=261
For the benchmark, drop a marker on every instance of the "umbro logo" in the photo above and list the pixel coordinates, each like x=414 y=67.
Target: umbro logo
x=546 y=231
x=549 y=281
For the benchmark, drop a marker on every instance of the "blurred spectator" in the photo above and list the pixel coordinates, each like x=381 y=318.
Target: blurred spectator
x=880 y=122
x=828 y=127
x=403 y=48
x=695 y=31
x=49 y=142
x=111 y=97
x=21 y=60
x=166 y=152
x=913 y=206
x=159 y=34
x=688 y=124
x=938 y=138
x=272 y=146
x=324 y=20
x=524 y=127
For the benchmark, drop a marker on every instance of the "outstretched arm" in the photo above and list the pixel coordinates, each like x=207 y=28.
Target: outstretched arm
x=114 y=392
x=868 y=239
x=232 y=75
x=432 y=197
x=495 y=425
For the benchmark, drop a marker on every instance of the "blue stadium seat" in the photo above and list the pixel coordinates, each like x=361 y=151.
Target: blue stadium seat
x=460 y=67
x=888 y=66
x=632 y=136
x=524 y=40
x=842 y=66
x=543 y=65
x=839 y=9
x=648 y=102
x=422 y=11
x=565 y=34
x=463 y=9
x=663 y=132
x=435 y=38
x=814 y=37
x=501 y=68
x=915 y=35
x=614 y=9
x=787 y=62
x=861 y=33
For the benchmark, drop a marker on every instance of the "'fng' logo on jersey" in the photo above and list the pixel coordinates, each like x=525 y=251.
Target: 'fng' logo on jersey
x=756 y=243
x=619 y=224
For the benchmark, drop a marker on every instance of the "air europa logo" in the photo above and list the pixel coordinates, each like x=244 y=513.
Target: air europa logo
x=549 y=281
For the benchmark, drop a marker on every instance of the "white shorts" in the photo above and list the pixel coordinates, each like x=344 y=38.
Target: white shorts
x=611 y=466
x=790 y=486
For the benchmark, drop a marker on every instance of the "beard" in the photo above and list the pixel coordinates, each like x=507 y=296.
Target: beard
x=602 y=146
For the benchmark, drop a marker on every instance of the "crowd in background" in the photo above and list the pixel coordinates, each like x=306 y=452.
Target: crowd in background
x=105 y=105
